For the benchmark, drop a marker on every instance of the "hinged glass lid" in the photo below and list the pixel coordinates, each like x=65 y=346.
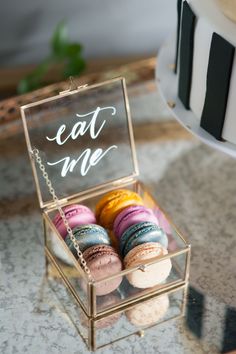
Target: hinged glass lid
x=84 y=138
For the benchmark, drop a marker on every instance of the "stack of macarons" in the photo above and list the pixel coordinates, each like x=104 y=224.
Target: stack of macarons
x=121 y=224
x=111 y=204
x=95 y=244
x=141 y=239
x=138 y=235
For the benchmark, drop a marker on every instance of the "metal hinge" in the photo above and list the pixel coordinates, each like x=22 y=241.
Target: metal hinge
x=73 y=87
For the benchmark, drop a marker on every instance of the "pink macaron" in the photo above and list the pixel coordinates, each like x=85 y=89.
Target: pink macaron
x=77 y=215
x=132 y=215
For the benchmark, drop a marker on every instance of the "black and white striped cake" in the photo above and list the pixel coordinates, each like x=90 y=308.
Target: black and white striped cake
x=206 y=66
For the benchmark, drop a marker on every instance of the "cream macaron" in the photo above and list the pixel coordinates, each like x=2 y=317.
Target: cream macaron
x=148 y=312
x=153 y=274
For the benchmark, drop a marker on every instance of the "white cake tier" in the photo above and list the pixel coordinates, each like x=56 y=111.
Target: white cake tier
x=210 y=19
x=167 y=82
x=210 y=11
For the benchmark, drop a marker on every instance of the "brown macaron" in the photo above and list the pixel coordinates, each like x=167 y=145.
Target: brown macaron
x=103 y=261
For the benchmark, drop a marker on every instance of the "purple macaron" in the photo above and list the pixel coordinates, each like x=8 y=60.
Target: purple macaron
x=76 y=215
x=132 y=215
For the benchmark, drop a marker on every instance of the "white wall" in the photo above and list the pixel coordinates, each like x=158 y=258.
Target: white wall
x=107 y=28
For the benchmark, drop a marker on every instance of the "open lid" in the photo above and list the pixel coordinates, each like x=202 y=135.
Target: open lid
x=84 y=137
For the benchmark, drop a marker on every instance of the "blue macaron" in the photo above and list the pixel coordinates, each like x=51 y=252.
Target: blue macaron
x=87 y=236
x=141 y=233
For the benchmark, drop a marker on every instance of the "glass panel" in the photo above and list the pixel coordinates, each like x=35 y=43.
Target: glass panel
x=82 y=138
x=69 y=308
x=136 y=283
x=175 y=242
x=140 y=317
x=125 y=284
x=67 y=264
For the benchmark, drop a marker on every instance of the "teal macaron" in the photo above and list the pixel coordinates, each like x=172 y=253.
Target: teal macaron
x=87 y=236
x=141 y=233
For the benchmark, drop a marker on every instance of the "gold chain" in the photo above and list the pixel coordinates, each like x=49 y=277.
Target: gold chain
x=59 y=208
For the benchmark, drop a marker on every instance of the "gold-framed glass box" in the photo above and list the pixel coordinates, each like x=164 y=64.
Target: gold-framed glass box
x=85 y=140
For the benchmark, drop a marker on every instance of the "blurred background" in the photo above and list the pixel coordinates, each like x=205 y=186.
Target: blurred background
x=105 y=28
x=109 y=32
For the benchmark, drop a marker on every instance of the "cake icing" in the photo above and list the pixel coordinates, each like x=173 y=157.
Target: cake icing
x=228 y=7
x=210 y=11
x=200 y=64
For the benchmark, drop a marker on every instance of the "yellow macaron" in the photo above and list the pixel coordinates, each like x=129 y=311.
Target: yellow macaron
x=112 y=203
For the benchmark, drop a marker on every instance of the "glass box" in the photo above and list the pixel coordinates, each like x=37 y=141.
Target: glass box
x=85 y=140
x=133 y=320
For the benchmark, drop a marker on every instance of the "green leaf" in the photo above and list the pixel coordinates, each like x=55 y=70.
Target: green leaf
x=41 y=69
x=73 y=49
x=63 y=51
x=23 y=86
x=74 y=66
x=59 y=40
x=35 y=78
x=28 y=84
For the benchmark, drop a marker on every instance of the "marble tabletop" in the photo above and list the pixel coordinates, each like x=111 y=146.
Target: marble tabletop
x=193 y=182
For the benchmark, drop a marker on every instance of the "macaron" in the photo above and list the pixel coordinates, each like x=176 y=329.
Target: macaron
x=76 y=215
x=103 y=261
x=113 y=203
x=153 y=274
x=132 y=215
x=87 y=236
x=141 y=233
x=57 y=249
x=148 y=312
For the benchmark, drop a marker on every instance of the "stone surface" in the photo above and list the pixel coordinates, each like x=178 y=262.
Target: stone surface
x=194 y=183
